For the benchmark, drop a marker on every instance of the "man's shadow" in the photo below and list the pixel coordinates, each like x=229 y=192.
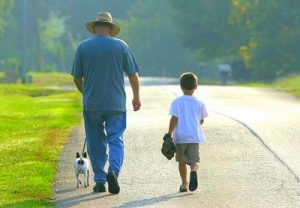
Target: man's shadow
x=90 y=196
x=152 y=200
x=76 y=199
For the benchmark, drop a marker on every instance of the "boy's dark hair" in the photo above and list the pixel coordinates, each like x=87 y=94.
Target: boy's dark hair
x=188 y=80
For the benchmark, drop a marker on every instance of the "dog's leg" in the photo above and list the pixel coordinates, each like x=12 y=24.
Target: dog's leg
x=78 y=180
x=88 y=177
x=85 y=179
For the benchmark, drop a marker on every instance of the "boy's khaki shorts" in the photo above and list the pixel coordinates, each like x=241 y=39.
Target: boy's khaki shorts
x=187 y=153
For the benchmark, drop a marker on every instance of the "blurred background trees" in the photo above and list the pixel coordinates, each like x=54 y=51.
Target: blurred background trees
x=5 y=7
x=258 y=38
x=151 y=33
x=272 y=46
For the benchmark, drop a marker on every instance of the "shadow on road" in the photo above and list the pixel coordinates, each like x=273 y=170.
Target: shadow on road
x=66 y=190
x=77 y=199
x=152 y=200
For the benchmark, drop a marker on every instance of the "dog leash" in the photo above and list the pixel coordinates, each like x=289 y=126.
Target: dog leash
x=84 y=146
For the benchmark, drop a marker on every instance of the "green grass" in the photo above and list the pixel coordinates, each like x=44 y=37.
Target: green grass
x=35 y=124
x=256 y=84
x=51 y=78
x=288 y=84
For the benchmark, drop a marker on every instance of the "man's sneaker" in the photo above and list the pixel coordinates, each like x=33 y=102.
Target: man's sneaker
x=113 y=185
x=193 y=181
x=99 y=187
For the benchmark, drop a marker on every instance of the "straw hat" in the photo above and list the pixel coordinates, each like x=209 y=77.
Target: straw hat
x=103 y=17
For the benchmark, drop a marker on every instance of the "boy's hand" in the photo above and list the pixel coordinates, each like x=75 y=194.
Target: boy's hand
x=168 y=148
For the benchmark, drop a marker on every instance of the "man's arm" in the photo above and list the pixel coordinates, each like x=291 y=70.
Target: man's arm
x=172 y=125
x=135 y=86
x=79 y=83
x=201 y=121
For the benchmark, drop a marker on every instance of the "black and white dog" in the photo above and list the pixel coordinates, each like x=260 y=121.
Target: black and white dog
x=82 y=166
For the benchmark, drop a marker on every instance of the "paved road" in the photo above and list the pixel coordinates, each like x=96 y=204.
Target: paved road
x=250 y=157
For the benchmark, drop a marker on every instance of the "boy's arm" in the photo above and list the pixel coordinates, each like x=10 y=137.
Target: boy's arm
x=172 y=125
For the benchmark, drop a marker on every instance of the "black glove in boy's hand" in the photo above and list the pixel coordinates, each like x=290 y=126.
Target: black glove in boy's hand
x=168 y=148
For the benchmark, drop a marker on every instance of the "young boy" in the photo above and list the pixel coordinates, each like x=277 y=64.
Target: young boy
x=188 y=115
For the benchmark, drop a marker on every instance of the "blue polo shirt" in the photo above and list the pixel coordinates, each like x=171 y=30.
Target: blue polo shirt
x=101 y=61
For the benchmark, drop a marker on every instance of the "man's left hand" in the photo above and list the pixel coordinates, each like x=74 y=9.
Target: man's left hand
x=136 y=103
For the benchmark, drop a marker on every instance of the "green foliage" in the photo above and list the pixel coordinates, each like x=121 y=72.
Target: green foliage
x=205 y=28
x=35 y=123
x=51 y=32
x=152 y=35
x=259 y=38
x=5 y=7
x=264 y=34
x=12 y=70
x=68 y=16
x=271 y=50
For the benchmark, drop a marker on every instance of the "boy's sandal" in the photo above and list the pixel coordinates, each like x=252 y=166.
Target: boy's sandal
x=193 y=185
x=182 y=189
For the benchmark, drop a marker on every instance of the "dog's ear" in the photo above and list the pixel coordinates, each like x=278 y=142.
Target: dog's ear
x=84 y=155
x=77 y=155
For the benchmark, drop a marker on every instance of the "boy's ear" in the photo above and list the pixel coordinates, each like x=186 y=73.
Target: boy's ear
x=85 y=155
x=77 y=155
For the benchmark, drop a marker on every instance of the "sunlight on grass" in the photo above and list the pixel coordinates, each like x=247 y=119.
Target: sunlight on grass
x=291 y=85
x=51 y=78
x=35 y=123
x=287 y=84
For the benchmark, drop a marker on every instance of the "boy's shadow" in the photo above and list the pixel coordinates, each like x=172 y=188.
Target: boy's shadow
x=152 y=200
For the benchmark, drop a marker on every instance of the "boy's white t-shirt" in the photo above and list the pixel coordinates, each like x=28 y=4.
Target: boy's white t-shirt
x=189 y=111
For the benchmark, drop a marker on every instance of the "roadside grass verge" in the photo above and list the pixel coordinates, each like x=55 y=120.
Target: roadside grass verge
x=51 y=79
x=287 y=84
x=35 y=124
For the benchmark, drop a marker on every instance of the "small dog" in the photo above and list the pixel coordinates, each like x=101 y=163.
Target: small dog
x=82 y=166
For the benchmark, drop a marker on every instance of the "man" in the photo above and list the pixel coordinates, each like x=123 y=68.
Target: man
x=98 y=70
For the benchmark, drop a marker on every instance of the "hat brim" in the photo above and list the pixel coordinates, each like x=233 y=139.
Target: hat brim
x=114 y=31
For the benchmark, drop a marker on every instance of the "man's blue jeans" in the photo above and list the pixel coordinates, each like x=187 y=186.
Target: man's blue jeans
x=105 y=129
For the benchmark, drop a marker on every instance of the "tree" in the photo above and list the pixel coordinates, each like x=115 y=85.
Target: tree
x=51 y=33
x=272 y=48
x=73 y=14
x=5 y=7
x=205 y=28
x=152 y=35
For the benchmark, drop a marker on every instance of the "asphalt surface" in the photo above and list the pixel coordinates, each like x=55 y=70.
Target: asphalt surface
x=251 y=157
